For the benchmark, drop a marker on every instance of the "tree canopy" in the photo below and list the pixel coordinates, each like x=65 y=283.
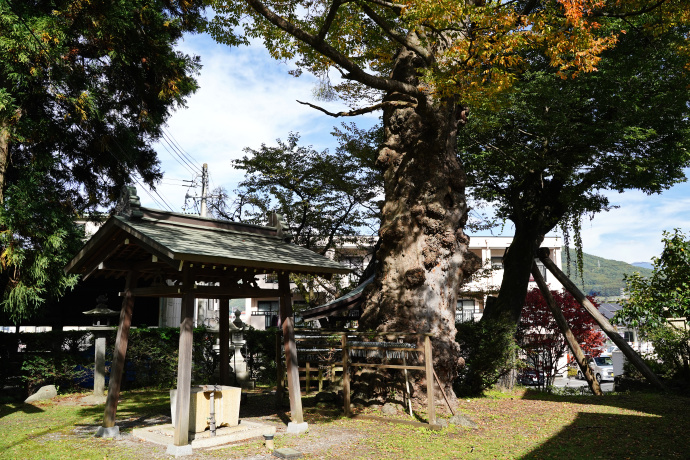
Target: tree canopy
x=84 y=89
x=424 y=63
x=547 y=151
x=666 y=293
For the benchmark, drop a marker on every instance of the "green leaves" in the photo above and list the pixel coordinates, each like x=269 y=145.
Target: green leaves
x=666 y=293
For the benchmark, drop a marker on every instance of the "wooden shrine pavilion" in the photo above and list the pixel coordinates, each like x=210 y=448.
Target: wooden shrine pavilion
x=165 y=254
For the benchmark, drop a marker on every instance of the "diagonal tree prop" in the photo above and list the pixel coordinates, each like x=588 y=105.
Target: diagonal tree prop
x=603 y=323
x=566 y=331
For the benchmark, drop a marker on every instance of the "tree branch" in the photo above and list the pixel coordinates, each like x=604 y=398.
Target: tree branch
x=362 y=111
x=424 y=54
x=330 y=17
x=355 y=72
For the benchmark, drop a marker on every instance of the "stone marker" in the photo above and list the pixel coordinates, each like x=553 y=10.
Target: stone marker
x=462 y=421
x=286 y=452
x=46 y=392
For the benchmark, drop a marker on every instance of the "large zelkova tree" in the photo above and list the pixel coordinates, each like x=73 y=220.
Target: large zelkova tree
x=540 y=337
x=423 y=64
x=85 y=87
x=547 y=156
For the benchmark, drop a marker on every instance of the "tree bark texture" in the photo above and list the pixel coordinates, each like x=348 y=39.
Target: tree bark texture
x=423 y=255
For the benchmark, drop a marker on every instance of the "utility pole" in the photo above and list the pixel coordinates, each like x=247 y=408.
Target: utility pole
x=204 y=189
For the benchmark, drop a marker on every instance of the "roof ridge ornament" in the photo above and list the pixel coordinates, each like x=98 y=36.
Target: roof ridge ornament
x=283 y=231
x=128 y=205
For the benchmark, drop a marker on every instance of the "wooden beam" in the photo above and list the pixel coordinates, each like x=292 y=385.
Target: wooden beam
x=290 y=348
x=346 y=375
x=429 y=363
x=184 y=370
x=566 y=331
x=120 y=352
x=223 y=337
x=603 y=323
x=207 y=292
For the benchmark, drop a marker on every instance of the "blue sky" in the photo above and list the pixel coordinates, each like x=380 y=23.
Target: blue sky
x=247 y=98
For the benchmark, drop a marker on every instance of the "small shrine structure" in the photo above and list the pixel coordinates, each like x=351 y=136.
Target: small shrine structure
x=166 y=254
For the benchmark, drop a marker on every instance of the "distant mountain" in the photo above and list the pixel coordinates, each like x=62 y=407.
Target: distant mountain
x=600 y=276
x=646 y=265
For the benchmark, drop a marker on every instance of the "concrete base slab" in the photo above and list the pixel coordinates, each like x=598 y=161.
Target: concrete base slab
x=110 y=432
x=164 y=434
x=93 y=400
x=297 y=428
x=287 y=452
x=179 y=451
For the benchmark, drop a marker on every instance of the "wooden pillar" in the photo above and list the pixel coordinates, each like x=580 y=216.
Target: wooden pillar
x=281 y=373
x=603 y=323
x=290 y=348
x=565 y=330
x=346 y=376
x=120 y=352
x=184 y=366
x=224 y=339
x=429 y=364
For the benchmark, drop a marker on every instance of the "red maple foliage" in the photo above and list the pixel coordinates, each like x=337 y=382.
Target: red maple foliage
x=542 y=341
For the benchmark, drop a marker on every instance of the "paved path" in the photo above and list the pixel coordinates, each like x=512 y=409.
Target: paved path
x=606 y=386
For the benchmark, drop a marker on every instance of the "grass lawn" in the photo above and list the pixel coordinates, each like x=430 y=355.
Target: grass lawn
x=518 y=425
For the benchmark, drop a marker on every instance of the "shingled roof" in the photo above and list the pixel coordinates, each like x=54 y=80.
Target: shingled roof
x=158 y=243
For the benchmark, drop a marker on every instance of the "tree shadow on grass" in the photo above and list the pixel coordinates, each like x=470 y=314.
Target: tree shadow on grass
x=655 y=428
x=11 y=408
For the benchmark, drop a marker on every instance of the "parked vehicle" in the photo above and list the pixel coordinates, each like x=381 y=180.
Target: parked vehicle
x=602 y=367
x=531 y=377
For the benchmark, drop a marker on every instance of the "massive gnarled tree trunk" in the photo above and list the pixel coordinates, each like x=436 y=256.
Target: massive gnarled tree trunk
x=423 y=256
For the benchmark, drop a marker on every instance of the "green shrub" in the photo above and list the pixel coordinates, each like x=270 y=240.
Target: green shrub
x=672 y=349
x=489 y=350
x=65 y=371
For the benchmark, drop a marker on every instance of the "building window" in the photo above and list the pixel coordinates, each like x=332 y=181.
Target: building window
x=269 y=310
x=464 y=311
x=542 y=269
x=629 y=336
x=497 y=262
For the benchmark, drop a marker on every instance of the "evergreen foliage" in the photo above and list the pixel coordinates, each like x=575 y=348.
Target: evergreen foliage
x=85 y=87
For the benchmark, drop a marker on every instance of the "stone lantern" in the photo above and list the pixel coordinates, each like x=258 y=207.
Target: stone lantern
x=100 y=323
x=237 y=338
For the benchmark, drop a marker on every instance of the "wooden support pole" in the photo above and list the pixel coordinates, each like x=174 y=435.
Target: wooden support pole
x=290 y=348
x=429 y=363
x=224 y=339
x=346 y=376
x=184 y=366
x=280 y=385
x=120 y=352
x=603 y=323
x=307 y=379
x=566 y=331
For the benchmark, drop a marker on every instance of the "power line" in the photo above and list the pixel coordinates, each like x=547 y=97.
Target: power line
x=176 y=156
x=188 y=155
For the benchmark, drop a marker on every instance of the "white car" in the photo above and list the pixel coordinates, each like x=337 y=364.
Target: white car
x=602 y=367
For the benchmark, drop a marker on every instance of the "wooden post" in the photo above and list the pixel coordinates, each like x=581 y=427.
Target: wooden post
x=280 y=385
x=184 y=366
x=120 y=352
x=224 y=339
x=346 y=376
x=290 y=348
x=320 y=380
x=603 y=323
x=429 y=363
x=307 y=379
x=565 y=330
